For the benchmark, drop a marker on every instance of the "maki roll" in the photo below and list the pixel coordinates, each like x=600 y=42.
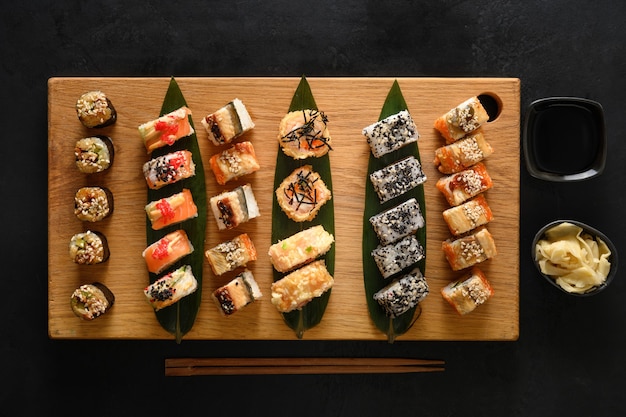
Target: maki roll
x=469 y=250
x=232 y=208
x=227 y=123
x=94 y=109
x=234 y=162
x=168 y=169
x=398 y=222
x=166 y=251
x=298 y=288
x=391 y=133
x=89 y=248
x=469 y=292
x=403 y=294
x=90 y=301
x=92 y=204
x=171 y=287
x=393 y=258
x=237 y=294
x=460 y=187
x=166 y=129
x=171 y=210
x=468 y=216
x=93 y=154
x=304 y=134
x=302 y=194
x=397 y=178
x=462 y=154
x=300 y=248
x=462 y=120
x=230 y=255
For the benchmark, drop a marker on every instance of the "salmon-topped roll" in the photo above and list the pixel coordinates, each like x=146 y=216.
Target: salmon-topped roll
x=462 y=154
x=304 y=133
x=166 y=129
x=167 y=250
x=460 y=187
x=171 y=287
x=462 y=120
x=171 y=210
x=468 y=216
x=468 y=292
x=168 y=169
x=302 y=194
x=469 y=250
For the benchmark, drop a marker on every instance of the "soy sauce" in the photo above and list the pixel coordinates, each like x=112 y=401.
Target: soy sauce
x=564 y=139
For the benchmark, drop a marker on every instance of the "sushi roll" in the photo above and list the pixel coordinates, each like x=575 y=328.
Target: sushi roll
x=90 y=301
x=232 y=254
x=302 y=194
x=234 y=162
x=228 y=123
x=166 y=251
x=391 y=259
x=237 y=294
x=166 y=130
x=92 y=204
x=89 y=248
x=94 y=109
x=93 y=154
x=232 y=208
x=469 y=250
x=397 y=222
x=397 y=178
x=391 y=133
x=168 y=169
x=462 y=154
x=171 y=210
x=468 y=216
x=297 y=289
x=304 y=133
x=402 y=294
x=300 y=248
x=460 y=187
x=462 y=120
x=171 y=287
x=469 y=292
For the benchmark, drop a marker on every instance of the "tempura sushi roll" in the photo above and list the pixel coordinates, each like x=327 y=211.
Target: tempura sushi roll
x=232 y=208
x=166 y=251
x=232 y=254
x=166 y=130
x=300 y=248
x=238 y=293
x=171 y=210
x=462 y=120
x=168 y=169
x=468 y=216
x=89 y=248
x=234 y=162
x=401 y=295
x=93 y=154
x=468 y=292
x=393 y=258
x=94 y=109
x=397 y=222
x=304 y=133
x=90 y=301
x=469 y=250
x=171 y=287
x=92 y=204
x=391 y=133
x=297 y=289
x=397 y=178
x=460 y=187
x=462 y=154
x=302 y=194
x=228 y=123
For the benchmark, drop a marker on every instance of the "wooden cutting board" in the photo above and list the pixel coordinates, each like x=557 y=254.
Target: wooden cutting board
x=350 y=104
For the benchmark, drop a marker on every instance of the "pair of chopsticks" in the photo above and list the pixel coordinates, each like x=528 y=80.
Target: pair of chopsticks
x=298 y=366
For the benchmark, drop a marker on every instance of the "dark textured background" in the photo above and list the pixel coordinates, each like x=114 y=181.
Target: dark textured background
x=570 y=357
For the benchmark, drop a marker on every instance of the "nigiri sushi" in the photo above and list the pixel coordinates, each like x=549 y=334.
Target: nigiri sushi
x=302 y=194
x=168 y=169
x=300 y=248
x=167 y=250
x=171 y=210
x=166 y=129
x=171 y=287
x=234 y=162
x=238 y=293
x=304 y=133
x=231 y=208
x=232 y=254
x=228 y=123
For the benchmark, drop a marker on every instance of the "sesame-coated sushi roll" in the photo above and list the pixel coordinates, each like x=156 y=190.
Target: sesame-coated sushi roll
x=93 y=154
x=460 y=187
x=468 y=216
x=462 y=120
x=168 y=169
x=302 y=194
x=227 y=123
x=166 y=129
x=232 y=208
x=397 y=178
x=403 y=294
x=90 y=301
x=238 y=293
x=391 y=133
x=304 y=133
x=171 y=210
x=462 y=154
x=94 y=109
x=166 y=251
x=171 y=287
x=234 y=162
x=92 y=204
x=232 y=254
x=89 y=248
x=393 y=258
x=468 y=292
x=469 y=250
x=397 y=222
x=301 y=286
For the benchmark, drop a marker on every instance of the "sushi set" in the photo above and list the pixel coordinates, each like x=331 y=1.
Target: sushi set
x=104 y=155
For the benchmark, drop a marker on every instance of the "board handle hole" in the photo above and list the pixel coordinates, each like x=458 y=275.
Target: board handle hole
x=492 y=104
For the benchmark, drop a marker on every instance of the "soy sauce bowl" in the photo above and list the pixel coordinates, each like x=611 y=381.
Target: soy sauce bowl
x=564 y=139
x=593 y=232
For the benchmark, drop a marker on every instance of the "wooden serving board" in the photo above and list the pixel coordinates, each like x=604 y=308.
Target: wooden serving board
x=350 y=104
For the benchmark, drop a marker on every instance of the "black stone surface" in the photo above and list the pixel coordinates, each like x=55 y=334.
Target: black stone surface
x=570 y=357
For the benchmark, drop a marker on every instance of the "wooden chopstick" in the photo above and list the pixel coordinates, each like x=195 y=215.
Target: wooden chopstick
x=297 y=366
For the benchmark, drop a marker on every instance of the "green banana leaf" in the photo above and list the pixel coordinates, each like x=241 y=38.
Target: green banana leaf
x=373 y=280
x=282 y=226
x=179 y=318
